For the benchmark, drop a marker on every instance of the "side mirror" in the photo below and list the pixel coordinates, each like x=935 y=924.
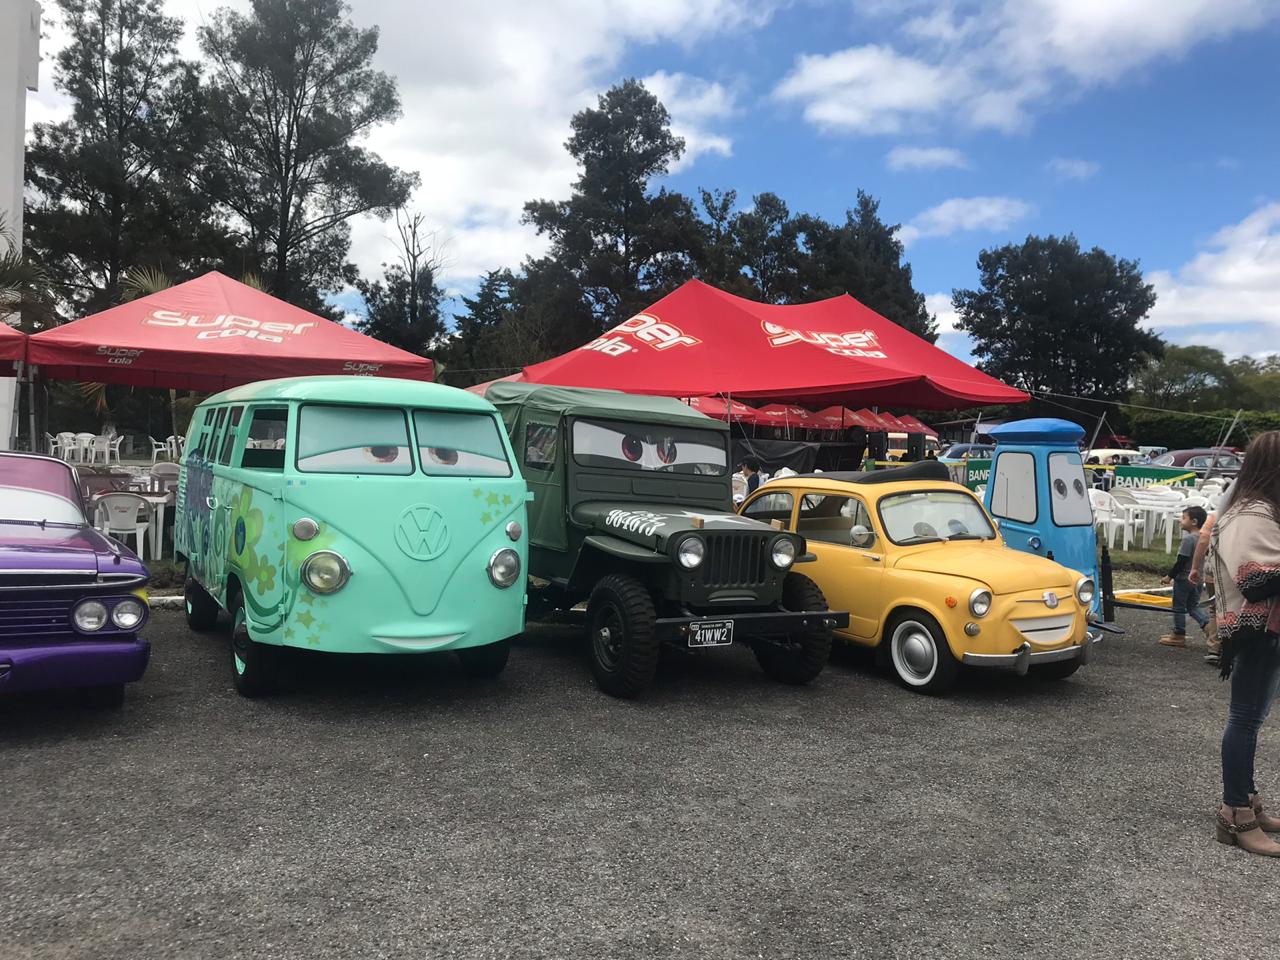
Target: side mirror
x=861 y=537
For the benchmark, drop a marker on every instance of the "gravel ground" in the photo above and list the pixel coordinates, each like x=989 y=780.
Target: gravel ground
x=382 y=809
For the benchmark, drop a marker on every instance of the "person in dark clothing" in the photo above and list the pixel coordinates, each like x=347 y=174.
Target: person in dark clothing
x=751 y=471
x=1186 y=595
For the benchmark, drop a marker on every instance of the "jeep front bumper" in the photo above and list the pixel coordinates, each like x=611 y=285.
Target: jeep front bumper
x=771 y=623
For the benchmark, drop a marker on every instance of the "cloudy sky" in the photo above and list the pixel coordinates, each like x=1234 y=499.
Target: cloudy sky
x=1148 y=127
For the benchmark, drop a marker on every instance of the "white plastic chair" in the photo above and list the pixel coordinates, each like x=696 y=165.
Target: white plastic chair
x=158 y=448
x=122 y=514
x=83 y=440
x=113 y=448
x=52 y=443
x=1111 y=515
x=100 y=445
x=66 y=445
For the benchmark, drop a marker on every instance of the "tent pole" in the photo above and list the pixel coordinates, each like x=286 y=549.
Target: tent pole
x=15 y=421
x=31 y=406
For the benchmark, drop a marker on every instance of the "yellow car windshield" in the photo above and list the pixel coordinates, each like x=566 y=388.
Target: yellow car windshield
x=926 y=516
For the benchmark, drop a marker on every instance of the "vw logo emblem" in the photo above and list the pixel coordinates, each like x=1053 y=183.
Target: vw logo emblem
x=1051 y=600
x=421 y=532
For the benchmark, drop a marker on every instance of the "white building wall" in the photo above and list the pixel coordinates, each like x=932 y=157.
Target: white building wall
x=19 y=72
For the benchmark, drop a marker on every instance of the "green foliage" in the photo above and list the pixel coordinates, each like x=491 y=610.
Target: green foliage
x=403 y=308
x=111 y=188
x=291 y=92
x=1180 y=431
x=1185 y=378
x=1050 y=317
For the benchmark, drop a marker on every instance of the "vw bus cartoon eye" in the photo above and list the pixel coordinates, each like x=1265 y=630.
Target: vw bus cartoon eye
x=353 y=515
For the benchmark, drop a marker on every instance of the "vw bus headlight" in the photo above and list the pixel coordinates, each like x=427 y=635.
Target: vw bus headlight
x=90 y=616
x=128 y=614
x=325 y=572
x=504 y=568
x=980 y=602
x=691 y=552
x=783 y=553
x=1085 y=591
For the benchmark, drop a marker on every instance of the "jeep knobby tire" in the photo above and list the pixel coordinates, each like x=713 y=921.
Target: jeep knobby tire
x=799 y=656
x=622 y=643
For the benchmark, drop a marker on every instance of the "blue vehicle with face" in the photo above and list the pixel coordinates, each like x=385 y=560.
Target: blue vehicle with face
x=1038 y=491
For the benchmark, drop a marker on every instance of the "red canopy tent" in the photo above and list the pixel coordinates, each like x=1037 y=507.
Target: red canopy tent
x=479 y=388
x=895 y=425
x=700 y=340
x=915 y=425
x=840 y=418
x=13 y=346
x=723 y=409
x=874 y=421
x=208 y=334
x=786 y=415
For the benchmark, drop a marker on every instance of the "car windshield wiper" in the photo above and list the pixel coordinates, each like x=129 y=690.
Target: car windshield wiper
x=903 y=543
x=967 y=536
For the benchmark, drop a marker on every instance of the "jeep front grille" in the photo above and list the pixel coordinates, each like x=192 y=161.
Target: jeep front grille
x=735 y=560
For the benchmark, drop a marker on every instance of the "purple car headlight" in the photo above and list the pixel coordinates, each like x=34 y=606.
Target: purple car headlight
x=90 y=616
x=129 y=614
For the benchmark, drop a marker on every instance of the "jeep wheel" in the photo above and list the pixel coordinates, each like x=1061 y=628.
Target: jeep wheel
x=254 y=666
x=624 y=649
x=202 y=609
x=920 y=654
x=800 y=656
x=486 y=661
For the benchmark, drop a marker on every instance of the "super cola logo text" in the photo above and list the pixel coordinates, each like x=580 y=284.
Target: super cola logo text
x=228 y=325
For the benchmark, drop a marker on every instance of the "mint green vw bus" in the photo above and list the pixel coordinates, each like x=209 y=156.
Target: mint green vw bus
x=352 y=515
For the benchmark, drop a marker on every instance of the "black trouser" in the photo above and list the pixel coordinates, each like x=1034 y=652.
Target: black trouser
x=1255 y=672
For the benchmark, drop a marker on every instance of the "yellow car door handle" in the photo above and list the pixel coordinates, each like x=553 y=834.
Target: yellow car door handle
x=873 y=556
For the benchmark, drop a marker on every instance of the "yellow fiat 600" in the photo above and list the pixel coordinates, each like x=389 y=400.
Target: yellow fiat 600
x=926 y=578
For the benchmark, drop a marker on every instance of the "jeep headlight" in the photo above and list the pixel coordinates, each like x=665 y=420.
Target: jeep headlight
x=504 y=568
x=325 y=572
x=783 y=553
x=691 y=552
x=980 y=602
x=1086 y=590
x=128 y=614
x=90 y=616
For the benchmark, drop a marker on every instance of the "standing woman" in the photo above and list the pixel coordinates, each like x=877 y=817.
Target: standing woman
x=1247 y=568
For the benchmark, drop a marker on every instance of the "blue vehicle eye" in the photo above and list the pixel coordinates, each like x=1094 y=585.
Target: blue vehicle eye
x=1060 y=487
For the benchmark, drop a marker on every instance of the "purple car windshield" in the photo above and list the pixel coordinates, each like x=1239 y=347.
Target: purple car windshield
x=38 y=491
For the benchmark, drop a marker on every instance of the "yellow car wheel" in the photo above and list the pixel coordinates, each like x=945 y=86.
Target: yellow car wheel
x=919 y=653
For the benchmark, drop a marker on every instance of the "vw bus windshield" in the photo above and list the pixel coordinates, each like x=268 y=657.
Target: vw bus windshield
x=932 y=515
x=356 y=440
x=650 y=447
x=460 y=444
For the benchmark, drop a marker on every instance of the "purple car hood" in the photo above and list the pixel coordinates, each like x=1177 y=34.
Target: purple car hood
x=71 y=549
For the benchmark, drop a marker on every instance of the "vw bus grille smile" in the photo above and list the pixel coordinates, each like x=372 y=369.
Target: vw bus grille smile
x=735 y=560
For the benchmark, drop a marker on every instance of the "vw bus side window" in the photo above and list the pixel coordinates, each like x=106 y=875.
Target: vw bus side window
x=649 y=447
x=1069 y=491
x=198 y=430
x=1013 y=487
x=264 y=445
x=460 y=444
x=338 y=439
x=229 y=438
x=214 y=434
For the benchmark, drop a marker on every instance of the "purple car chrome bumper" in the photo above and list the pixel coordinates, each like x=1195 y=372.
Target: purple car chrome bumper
x=89 y=664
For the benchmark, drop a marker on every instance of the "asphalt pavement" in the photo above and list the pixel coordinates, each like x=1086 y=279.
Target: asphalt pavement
x=378 y=808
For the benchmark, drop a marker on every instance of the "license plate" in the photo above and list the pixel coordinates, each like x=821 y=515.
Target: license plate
x=711 y=633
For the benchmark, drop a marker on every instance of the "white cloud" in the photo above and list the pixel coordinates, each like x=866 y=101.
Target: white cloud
x=1071 y=168
x=939 y=304
x=695 y=105
x=1229 y=294
x=487 y=92
x=869 y=89
x=991 y=65
x=925 y=158
x=965 y=213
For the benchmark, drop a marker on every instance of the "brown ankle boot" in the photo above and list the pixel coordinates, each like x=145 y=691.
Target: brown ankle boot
x=1173 y=640
x=1238 y=826
x=1265 y=820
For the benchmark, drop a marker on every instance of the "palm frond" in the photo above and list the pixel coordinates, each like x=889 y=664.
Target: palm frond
x=95 y=396
x=253 y=280
x=141 y=281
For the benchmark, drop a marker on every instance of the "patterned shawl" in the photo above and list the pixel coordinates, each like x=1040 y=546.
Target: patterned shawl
x=1246 y=551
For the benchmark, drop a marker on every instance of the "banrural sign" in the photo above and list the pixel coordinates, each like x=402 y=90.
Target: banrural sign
x=978 y=472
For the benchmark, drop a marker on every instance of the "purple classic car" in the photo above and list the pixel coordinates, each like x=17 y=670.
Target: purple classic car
x=71 y=600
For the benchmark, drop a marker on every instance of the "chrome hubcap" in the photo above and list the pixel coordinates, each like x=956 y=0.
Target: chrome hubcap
x=914 y=653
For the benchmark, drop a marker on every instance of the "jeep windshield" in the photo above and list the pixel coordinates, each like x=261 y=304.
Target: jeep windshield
x=930 y=516
x=649 y=447
x=375 y=440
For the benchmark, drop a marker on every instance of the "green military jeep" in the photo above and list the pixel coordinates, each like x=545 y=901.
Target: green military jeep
x=633 y=513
